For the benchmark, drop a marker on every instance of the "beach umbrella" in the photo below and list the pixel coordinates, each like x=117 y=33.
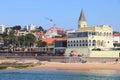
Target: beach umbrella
x=74 y=54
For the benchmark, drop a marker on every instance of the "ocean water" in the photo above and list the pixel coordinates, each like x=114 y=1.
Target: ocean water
x=58 y=75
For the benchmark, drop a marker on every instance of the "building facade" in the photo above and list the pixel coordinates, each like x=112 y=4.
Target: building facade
x=31 y=27
x=116 y=39
x=89 y=37
x=2 y=29
x=54 y=32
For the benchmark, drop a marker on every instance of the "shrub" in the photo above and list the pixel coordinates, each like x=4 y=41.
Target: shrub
x=3 y=67
x=20 y=66
x=96 y=49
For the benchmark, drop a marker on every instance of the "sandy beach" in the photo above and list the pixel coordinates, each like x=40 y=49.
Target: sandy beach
x=66 y=66
x=77 y=66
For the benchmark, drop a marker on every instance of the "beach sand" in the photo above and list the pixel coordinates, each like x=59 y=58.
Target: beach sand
x=66 y=66
x=78 y=66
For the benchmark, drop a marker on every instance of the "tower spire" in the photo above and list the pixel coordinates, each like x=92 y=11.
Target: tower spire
x=82 y=17
x=82 y=21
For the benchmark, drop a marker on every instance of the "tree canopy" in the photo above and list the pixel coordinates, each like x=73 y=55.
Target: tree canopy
x=17 y=27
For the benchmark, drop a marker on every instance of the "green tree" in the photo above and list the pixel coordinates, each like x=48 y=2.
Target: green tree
x=11 y=37
x=21 y=41
x=41 y=44
x=5 y=38
x=17 y=27
x=30 y=40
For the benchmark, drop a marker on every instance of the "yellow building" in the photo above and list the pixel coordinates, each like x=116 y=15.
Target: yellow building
x=88 y=38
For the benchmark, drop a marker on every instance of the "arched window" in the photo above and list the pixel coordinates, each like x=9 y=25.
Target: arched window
x=89 y=42
x=94 y=43
x=98 y=42
x=77 y=44
x=80 y=41
x=74 y=44
x=77 y=41
x=80 y=45
x=68 y=41
x=109 y=34
x=100 y=33
x=104 y=33
x=68 y=45
x=83 y=41
x=83 y=45
x=86 y=42
x=74 y=41
x=71 y=41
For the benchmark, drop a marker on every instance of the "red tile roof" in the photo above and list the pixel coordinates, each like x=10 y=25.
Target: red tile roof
x=57 y=29
x=116 y=34
x=51 y=40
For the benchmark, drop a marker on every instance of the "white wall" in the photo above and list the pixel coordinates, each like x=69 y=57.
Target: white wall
x=2 y=29
x=116 y=39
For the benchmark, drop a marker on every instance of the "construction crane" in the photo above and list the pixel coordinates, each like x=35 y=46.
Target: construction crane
x=51 y=20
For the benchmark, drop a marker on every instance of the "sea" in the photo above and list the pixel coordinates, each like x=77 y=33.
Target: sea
x=22 y=74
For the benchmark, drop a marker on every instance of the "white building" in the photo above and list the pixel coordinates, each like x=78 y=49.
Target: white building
x=70 y=31
x=31 y=27
x=20 y=33
x=89 y=38
x=2 y=28
x=116 y=39
x=53 y=32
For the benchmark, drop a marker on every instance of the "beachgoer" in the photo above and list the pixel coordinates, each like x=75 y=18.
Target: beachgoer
x=116 y=60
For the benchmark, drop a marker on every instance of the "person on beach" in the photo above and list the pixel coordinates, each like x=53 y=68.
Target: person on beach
x=116 y=61
x=73 y=57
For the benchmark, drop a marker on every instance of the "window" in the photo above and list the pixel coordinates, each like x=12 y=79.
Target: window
x=85 y=34
x=94 y=42
x=77 y=41
x=74 y=44
x=83 y=41
x=104 y=33
x=74 y=41
x=83 y=44
x=90 y=33
x=80 y=44
x=68 y=45
x=93 y=33
x=77 y=44
x=107 y=33
x=89 y=44
x=80 y=41
x=110 y=34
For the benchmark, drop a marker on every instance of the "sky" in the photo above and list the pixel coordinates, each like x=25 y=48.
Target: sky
x=64 y=13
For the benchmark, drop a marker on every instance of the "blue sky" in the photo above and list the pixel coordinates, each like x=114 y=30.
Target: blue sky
x=64 y=13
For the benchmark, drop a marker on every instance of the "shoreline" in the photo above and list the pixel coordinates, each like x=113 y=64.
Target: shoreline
x=74 y=67
x=77 y=67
